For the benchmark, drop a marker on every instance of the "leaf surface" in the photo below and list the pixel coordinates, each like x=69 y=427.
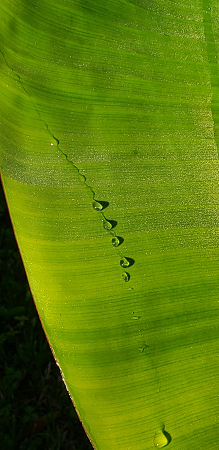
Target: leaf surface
x=117 y=102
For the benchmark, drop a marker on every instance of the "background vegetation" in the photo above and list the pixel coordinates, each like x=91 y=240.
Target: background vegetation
x=36 y=411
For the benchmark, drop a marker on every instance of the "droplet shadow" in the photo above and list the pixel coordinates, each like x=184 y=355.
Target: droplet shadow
x=103 y=204
x=130 y=260
x=167 y=436
x=112 y=222
x=121 y=240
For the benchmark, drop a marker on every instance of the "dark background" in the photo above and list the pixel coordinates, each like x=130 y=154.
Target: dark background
x=35 y=409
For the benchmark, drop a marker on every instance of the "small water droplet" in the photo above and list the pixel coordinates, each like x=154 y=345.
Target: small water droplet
x=125 y=276
x=107 y=225
x=115 y=241
x=142 y=349
x=97 y=206
x=161 y=438
x=82 y=177
x=53 y=141
x=124 y=262
x=16 y=77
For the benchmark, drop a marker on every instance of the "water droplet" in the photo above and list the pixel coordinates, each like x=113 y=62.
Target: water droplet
x=107 y=225
x=53 y=141
x=124 y=262
x=125 y=276
x=16 y=77
x=97 y=206
x=142 y=349
x=115 y=241
x=82 y=177
x=161 y=438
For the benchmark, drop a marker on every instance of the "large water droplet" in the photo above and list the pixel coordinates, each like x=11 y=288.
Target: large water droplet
x=107 y=225
x=97 y=206
x=161 y=438
x=115 y=241
x=125 y=276
x=124 y=262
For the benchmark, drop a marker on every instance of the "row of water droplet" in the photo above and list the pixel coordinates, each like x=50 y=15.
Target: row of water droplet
x=116 y=242
x=97 y=206
x=124 y=263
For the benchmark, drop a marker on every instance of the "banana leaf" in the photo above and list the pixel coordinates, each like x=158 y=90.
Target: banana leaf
x=109 y=133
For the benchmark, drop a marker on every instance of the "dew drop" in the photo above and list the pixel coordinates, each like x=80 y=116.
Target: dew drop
x=124 y=262
x=115 y=241
x=125 y=276
x=16 y=77
x=107 y=225
x=161 y=438
x=54 y=141
x=82 y=177
x=97 y=206
x=142 y=349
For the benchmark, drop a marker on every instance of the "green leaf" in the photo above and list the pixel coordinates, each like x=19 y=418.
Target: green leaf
x=117 y=103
